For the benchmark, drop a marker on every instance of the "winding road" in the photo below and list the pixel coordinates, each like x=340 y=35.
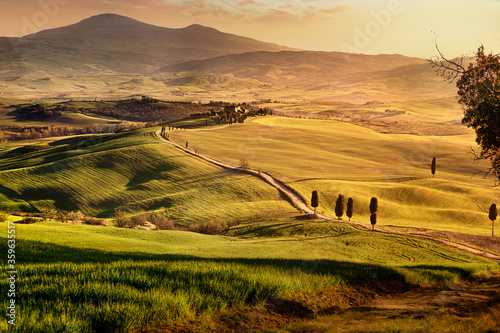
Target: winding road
x=300 y=203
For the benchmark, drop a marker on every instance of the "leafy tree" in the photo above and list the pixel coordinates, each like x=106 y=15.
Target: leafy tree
x=339 y=207
x=478 y=85
x=433 y=166
x=493 y=217
x=373 y=205
x=350 y=208
x=315 y=200
x=373 y=220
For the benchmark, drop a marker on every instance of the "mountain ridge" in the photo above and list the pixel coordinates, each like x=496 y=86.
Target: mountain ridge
x=95 y=41
x=110 y=54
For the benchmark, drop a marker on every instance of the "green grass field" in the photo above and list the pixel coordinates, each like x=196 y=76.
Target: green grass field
x=342 y=158
x=93 y=279
x=133 y=171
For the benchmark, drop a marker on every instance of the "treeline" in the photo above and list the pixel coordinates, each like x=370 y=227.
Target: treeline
x=16 y=132
x=154 y=110
x=149 y=110
x=53 y=215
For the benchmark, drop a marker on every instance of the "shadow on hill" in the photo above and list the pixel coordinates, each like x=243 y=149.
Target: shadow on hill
x=316 y=229
x=147 y=175
x=35 y=252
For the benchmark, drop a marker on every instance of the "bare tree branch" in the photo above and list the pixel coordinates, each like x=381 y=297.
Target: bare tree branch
x=448 y=69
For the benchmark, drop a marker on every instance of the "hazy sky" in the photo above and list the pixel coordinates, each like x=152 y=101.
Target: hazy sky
x=377 y=26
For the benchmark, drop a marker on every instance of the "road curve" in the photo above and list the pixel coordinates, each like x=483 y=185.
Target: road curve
x=300 y=203
x=297 y=201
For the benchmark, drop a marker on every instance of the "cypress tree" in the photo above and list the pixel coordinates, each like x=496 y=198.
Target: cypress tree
x=314 y=201
x=493 y=217
x=339 y=206
x=373 y=205
x=433 y=166
x=373 y=220
x=350 y=208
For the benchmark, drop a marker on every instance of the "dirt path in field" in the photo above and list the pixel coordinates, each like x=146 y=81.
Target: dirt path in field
x=369 y=307
x=295 y=198
x=473 y=245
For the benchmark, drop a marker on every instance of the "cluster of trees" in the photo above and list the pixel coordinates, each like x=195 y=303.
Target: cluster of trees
x=54 y=215
x=237 y=113
x=17 y=132
x=37 y=111
x=149 y=109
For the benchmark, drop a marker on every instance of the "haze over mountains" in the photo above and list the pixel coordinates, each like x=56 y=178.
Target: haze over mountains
x=114 y=55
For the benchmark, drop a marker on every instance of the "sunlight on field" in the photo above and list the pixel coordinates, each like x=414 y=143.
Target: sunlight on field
x=91 y=277
x=341 y=158
x=139 y=173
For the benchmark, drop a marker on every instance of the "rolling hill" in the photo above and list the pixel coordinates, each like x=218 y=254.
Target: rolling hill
x=115 y=43
x=114 y=56
x=140 y=173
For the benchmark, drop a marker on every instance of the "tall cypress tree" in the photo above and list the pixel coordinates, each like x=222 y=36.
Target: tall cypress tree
x=373 y=205
x=433 y=166
x=314 y=200
x=339 y=207
x=493 y=217
x=350 y=208
x=373 y=220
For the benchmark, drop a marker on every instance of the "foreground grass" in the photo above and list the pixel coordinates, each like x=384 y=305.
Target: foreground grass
x=93 y=279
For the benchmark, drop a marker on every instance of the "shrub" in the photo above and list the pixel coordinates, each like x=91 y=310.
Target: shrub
x=163 y=223
x=213 y=227
x=244 y=164
x=139 y=220
x=28 y=220
x=95 y=221
x=3 y=216
x=61 y=217
x=75 y=216
x=121 y=219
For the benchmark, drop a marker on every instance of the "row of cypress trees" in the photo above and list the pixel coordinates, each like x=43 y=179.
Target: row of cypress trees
x=339 y=207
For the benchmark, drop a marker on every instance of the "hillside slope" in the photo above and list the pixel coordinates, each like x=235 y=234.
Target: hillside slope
x=139 y=173
x=110 y=42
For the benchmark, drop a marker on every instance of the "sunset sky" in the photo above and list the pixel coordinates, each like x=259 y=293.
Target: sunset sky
x=407 y=27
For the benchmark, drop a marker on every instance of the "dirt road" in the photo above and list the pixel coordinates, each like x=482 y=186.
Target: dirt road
x=299 y=202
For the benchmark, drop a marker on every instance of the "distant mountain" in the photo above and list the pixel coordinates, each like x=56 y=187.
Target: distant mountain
x=291 y=67
x=115 y=56
x=110 y=42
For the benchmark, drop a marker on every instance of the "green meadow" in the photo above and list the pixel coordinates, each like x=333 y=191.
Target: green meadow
x=77 y=278
x=343 y=158
x=82 y=278
x=133 y=171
